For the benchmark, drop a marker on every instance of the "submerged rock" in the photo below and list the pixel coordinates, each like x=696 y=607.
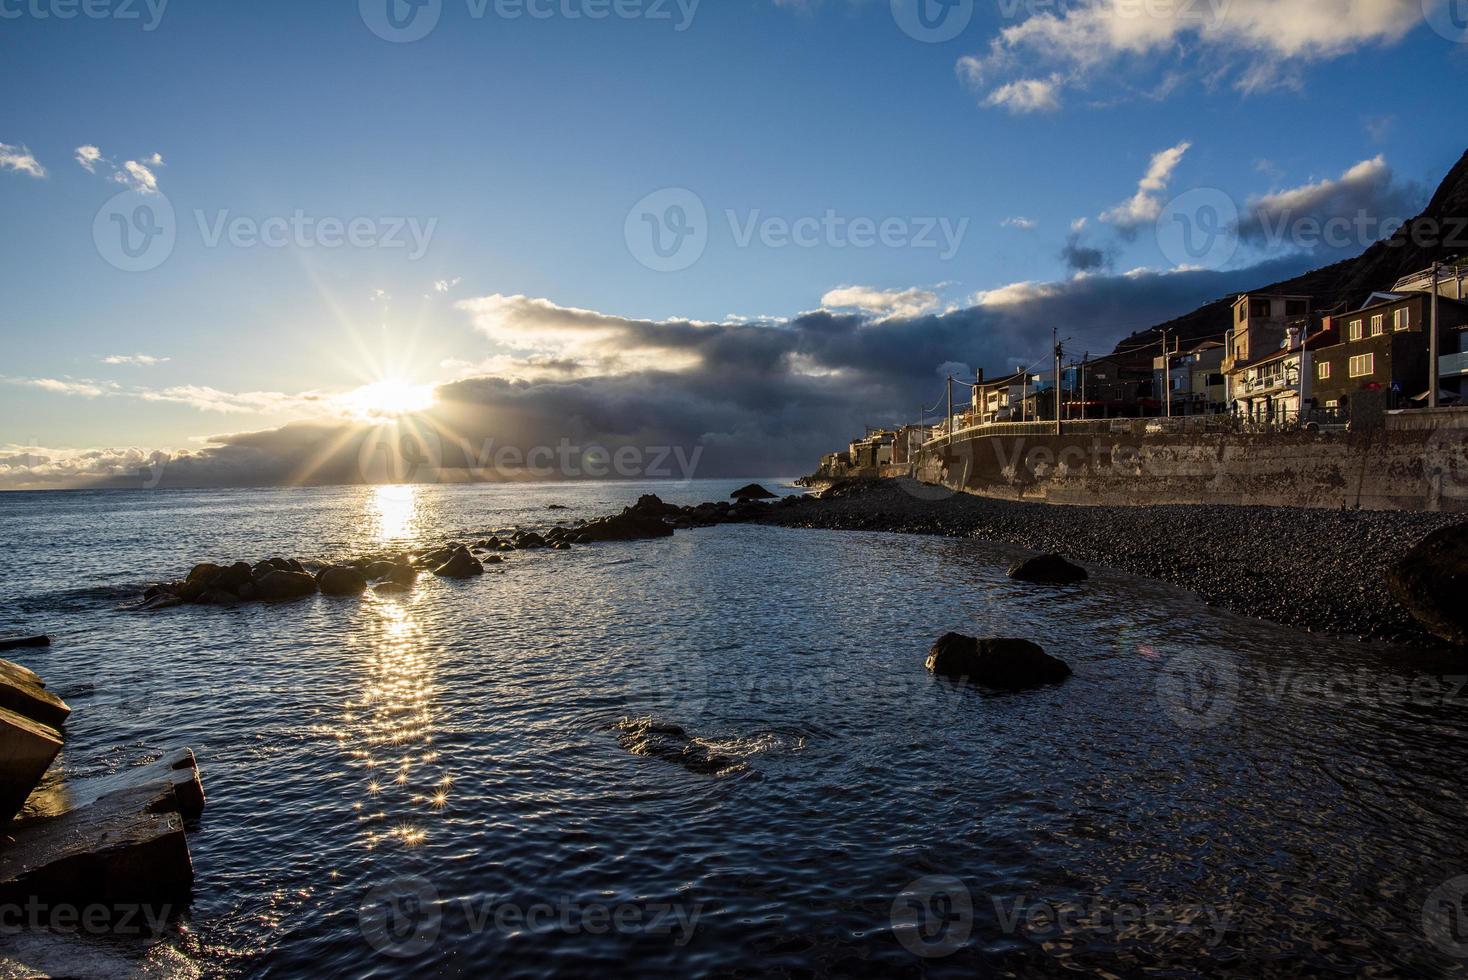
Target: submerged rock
x=279 y=586
x=1430 y=582
x=664 y=740
x=1001 y=663
x=1048 y=570
x=752 y=492
x=24 y=642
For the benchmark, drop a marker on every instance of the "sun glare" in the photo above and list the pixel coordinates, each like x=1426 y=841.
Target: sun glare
x=388 y=399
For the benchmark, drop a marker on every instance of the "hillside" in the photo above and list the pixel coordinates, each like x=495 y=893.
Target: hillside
x=1353 y=280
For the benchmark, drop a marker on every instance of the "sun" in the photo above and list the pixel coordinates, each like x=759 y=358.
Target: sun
x=388 y=399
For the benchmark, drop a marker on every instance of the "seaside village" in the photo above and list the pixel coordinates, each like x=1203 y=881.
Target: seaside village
x=1284 y=363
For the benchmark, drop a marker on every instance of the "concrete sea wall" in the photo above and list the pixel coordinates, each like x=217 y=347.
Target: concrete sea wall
x=1405 y=466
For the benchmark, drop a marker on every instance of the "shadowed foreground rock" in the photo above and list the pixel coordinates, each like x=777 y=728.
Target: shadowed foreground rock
x=125 y=846
x=279 y=586
x=1002 y=663
x=27 y=748
x=1430 y=581
x=102 y=845
x=1048 y=570
x=23 y=691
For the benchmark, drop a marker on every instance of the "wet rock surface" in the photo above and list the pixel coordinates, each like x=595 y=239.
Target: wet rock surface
x=1006 y=664
x=24 y=642
x=1317 y=570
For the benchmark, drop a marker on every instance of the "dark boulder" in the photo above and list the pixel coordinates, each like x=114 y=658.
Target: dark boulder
x=203 y=574
x=671 y=743
x=1430 y=582
x=233 y=578
x=461 y=565
x=529 y=540
x=752 y=492
x=392 y=572
x=339 y=580
x=630 y=525
x=1008 y=664
x=279 y=586
x=1048 y=570
x=651 y=505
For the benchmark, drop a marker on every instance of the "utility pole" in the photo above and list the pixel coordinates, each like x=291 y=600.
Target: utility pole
x=1059 y=351
x=1085 y=365
x=950 y=409
x=1167 y=372
x=1432 y=341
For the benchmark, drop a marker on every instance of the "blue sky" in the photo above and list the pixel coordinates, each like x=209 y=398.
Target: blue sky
x=517 y=148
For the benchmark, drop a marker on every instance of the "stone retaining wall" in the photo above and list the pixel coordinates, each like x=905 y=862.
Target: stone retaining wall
x=1394 y=468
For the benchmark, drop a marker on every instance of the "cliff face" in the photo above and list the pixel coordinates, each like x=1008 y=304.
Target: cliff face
x=1440 y=232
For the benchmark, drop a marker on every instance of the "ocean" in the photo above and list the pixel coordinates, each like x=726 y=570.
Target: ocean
x=440 y=783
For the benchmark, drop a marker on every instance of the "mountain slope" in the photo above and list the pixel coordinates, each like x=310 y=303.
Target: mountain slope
x=1439 y=233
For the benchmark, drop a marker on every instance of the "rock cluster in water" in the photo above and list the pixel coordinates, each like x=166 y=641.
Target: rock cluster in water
x=288 y=579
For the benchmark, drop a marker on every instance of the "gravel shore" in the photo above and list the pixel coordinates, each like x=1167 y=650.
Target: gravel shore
x=1318 y=570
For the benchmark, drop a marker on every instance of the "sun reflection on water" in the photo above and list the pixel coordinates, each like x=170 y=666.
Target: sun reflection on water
x=395 y=508
x=389 y=728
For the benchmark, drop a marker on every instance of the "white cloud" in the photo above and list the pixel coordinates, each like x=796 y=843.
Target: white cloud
x=1017 y=294
x=20 y=159
x=1367 y=194
x=444 y=285
x=1027 y=95
x=88 y=156
x=83 y=389
x=597 y=343
x=1145 y=206
x=1265 y=39
x=884 y=302
x=135 y=360
x=137 y=176
x=1022 y=223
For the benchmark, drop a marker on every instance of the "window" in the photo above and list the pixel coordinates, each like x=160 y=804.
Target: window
x=1296 y=307
x=1378 y=325
x=1322 y=370
x=1356 y=333
x=1402 y=319
x=1261 y=308
x=1333 y=403
x=1363 y=365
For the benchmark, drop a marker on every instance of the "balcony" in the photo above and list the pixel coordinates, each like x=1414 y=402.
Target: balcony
x=1452 y=365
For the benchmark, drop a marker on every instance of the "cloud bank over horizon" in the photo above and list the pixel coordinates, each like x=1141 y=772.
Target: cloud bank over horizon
x=571 y=388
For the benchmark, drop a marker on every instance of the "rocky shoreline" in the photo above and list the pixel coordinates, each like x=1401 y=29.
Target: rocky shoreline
x=1317 y=570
